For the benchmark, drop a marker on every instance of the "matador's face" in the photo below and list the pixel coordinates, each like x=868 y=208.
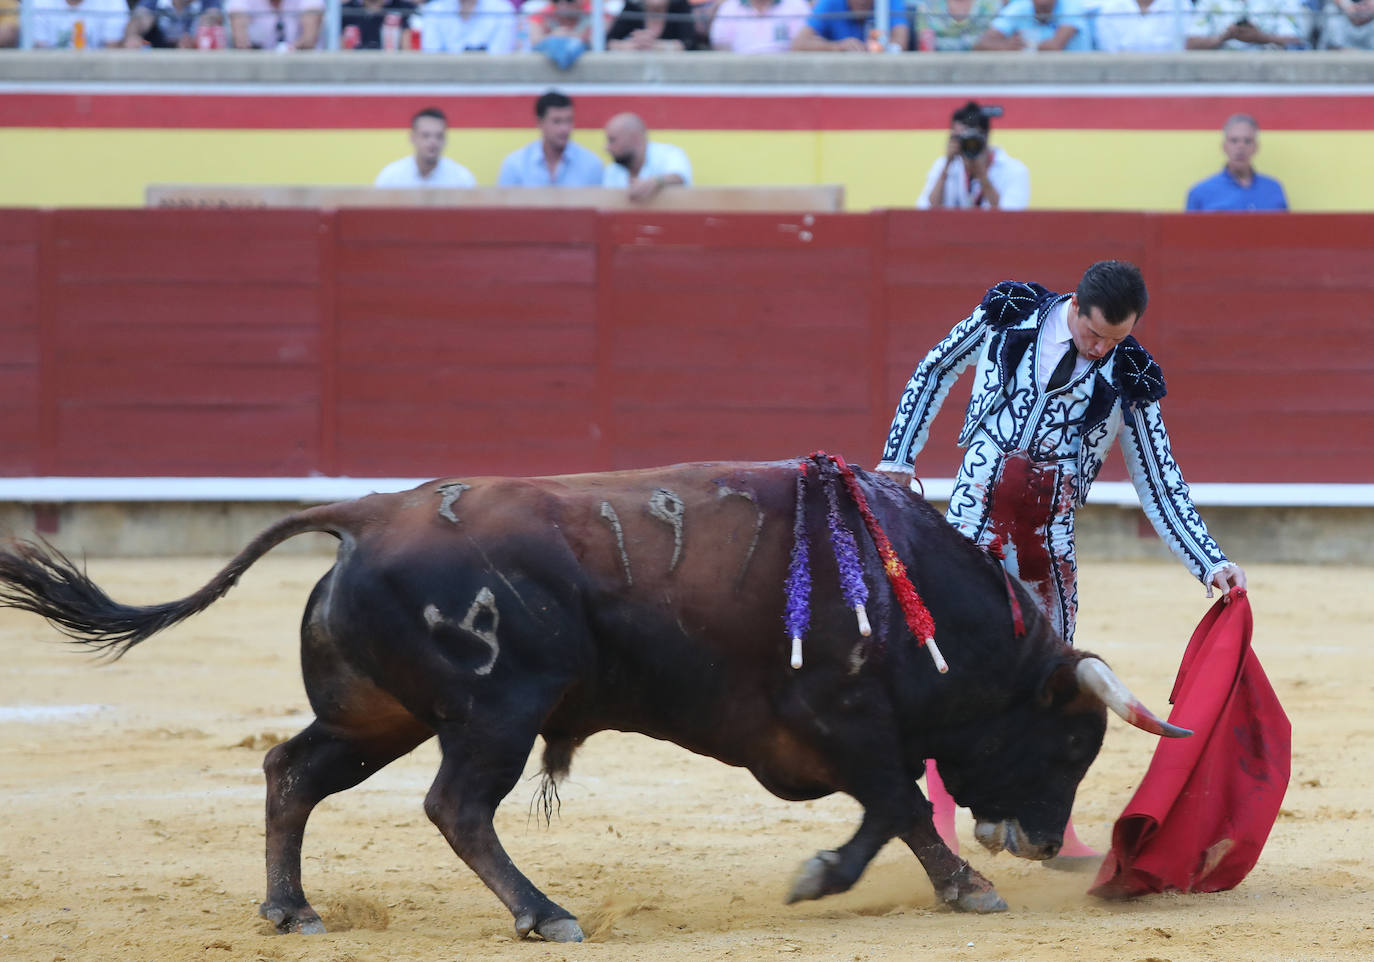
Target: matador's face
x=1093 y=334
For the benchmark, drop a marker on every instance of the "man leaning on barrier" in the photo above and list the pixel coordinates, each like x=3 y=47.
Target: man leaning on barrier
x=846 y=26
x=643 y=166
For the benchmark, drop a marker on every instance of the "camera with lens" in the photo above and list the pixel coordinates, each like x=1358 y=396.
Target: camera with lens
x=973 y=143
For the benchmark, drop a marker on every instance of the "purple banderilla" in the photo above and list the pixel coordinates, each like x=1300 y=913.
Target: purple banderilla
x=798 y=590
x=852 y=584
x=797 y=612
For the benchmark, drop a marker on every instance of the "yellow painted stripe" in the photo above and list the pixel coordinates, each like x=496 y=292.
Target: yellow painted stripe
x=1070 y=169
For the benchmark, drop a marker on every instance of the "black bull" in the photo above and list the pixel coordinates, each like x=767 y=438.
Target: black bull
x=490 y=611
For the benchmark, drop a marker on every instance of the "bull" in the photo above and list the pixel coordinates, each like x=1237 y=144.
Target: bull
x=490 y=611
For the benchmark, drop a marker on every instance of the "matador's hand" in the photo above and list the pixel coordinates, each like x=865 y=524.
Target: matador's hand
x=901 y=477
x=1224 y=579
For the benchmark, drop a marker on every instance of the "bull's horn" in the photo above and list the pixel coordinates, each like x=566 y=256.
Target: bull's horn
x=1094 y=675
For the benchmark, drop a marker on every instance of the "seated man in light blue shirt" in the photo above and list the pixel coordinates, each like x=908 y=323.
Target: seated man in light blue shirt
x=553 y=160
x=847 y=25
x=1039 y=25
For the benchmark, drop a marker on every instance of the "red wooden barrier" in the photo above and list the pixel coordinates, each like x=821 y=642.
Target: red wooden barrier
x=432 y=342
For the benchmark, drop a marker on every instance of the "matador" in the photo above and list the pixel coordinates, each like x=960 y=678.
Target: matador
x=1059 y=377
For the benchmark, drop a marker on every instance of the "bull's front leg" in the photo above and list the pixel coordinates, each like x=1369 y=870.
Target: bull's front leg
x=956 y=882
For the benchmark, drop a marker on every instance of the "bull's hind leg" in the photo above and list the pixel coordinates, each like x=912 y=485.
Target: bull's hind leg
x=301 y=772
x=474 y=777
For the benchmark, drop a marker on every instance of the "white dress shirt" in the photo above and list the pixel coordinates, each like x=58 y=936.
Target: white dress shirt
x=490 y=28
x=1162 y=26
x=659 y=161
x=1008 y=175
x=1055 y=338
x=406 y=173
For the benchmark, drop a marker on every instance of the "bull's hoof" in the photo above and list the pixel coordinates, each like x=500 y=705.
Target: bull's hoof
x=812 y=880
x=982 y=903
x=289 y=922
x=564 y=929
x=559 y=930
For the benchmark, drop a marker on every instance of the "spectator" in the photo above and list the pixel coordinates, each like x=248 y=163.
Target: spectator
x=369 y=16
x=1238 y=186
x=953 y=25
x=468 y=26
x=9 y=23
x=703 y=15
x=653 y=25
x=1246 y=25
x=643 y=166
x=758 y=26
x=553 y=160
x=562 y=31
x=80 y=24
x=1142 y=26
x=1349 y=24
x=171 y=23
x=1039 y=24
x=562 y=18
x=846 y=26
x=973 y=173
x=275 y=24
x=428 y=167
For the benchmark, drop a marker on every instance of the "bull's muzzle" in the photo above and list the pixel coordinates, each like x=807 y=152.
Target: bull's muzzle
x=1008 y=836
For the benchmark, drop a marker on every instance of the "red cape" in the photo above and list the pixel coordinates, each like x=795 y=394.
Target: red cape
x=1199 y=819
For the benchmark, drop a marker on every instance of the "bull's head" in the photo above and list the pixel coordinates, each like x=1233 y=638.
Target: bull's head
x=1020 y=773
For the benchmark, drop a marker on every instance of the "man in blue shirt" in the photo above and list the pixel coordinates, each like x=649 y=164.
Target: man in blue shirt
x=1038 y=25
x=1238 y=186
x=850 y=25
x=553 y=160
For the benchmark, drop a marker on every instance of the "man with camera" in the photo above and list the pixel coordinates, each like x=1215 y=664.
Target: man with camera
x=972 y=173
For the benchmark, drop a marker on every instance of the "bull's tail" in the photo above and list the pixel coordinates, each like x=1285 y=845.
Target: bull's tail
x=39 y=578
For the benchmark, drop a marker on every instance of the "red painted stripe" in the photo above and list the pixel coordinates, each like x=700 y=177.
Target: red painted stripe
x=343 y=111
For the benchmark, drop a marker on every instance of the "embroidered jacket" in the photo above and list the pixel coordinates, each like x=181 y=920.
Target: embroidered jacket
x=1126 y=388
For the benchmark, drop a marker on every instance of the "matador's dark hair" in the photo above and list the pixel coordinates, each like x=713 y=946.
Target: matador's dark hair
x=1116 y=288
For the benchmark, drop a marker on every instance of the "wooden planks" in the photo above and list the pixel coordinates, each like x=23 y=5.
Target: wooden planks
x=412 y=342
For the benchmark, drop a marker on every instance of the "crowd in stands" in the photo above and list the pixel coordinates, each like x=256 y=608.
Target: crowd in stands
x=972 y=174
x=562 y=29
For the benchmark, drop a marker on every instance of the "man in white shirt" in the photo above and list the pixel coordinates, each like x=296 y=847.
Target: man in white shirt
x=644 y=167
x=275 y=24
x=1142 y=26
x=102 y=24
x=428 y=167
x=972 y=173
x=468 y=26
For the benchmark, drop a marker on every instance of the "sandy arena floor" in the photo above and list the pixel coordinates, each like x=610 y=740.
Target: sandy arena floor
x=131 y=798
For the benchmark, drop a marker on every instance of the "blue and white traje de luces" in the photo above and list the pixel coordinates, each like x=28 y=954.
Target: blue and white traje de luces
x=1063 y=434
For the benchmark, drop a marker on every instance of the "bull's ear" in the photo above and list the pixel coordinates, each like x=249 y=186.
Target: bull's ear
x=1060 y=686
